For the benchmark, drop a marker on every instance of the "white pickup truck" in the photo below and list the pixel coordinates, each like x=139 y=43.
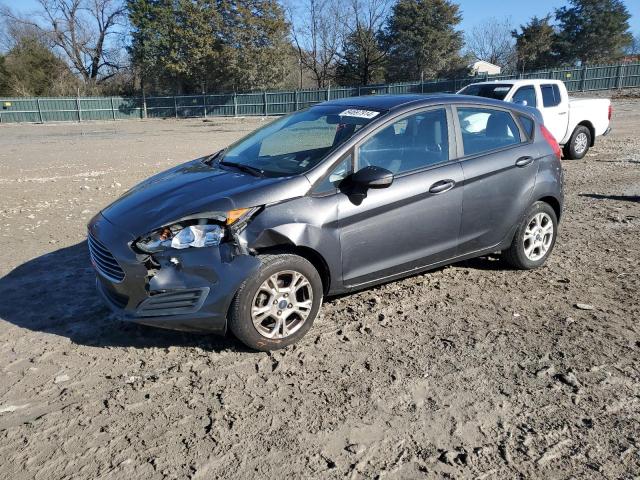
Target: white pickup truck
x=575 y=123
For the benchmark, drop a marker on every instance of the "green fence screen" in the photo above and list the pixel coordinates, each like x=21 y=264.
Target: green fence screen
x=43 y=110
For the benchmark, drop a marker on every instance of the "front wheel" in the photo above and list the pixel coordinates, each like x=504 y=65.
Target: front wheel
x=534 y=239
x=579 y=143
x=277 y=306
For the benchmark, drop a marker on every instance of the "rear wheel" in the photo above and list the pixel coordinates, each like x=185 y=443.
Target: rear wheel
x=579 y=143
x=278 y=305
x=534 y=239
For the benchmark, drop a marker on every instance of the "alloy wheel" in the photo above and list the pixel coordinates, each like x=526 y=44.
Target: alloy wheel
x=282 y=304
x=538 y=237
x=581 y=143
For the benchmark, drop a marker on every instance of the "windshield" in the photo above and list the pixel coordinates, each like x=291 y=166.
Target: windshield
x=297 y=142
x=497 y=91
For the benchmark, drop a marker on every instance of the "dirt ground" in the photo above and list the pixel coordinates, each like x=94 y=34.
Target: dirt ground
x=470 y=371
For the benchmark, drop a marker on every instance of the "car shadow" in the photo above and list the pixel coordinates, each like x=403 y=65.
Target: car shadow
x=489 y=263
x=618 y=161
x=621 y=198
x=55 y=293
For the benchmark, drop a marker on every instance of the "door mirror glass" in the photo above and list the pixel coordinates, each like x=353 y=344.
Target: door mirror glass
x=373 y=177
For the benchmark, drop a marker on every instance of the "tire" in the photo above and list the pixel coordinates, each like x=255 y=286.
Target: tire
x=282 y=323
x=533 y=243
x=579 y=143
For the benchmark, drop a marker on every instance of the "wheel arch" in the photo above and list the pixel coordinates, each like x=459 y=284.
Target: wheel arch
x=592 y=130
x=308 y=253
x=554 y=203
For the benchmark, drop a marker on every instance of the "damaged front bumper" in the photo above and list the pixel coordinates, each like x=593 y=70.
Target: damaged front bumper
x=189 y=289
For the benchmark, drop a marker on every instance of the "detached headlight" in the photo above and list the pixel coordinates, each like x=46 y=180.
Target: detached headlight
x=182 y=235
x=179 y=237
x=198 y=236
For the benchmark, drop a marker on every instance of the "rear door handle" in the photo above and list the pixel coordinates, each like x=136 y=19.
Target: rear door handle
x=524 y=161
x=442 y=186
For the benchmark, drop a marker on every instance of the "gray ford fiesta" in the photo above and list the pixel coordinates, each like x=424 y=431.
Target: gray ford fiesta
x=338 y=197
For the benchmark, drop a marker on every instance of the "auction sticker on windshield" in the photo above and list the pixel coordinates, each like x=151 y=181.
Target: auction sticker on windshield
x=354 y=112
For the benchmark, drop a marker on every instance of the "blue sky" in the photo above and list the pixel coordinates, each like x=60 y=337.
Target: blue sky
x=474 y=11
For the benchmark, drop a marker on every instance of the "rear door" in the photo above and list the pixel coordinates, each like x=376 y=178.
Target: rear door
x=416 y=221
x=499 y=165
x=555 y=110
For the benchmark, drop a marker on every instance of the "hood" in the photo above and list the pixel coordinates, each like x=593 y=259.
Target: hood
x=195 y=187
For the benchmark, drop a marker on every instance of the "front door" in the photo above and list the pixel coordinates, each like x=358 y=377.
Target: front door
x=416 y=221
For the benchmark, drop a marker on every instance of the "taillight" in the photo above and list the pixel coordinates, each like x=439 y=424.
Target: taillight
x=610 y=111
x=551 y=140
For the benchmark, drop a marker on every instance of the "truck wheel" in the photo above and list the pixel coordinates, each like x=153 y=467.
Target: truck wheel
x=534 y=239
x=278 y=305
x=579 y=143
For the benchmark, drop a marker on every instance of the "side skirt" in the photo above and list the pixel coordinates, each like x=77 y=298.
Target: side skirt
x=417 y=270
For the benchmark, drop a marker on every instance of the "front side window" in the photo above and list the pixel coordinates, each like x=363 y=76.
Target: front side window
x=550 y=95
x=415 y=142
x=486 y=129
x=296 y=143
x=526 y=94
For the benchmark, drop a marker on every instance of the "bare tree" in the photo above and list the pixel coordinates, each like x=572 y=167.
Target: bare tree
x=362 y=57
x=11 y=33
x=367 y=14
x=491 y=41
x=83 y=30
x=634 y=47
x=318 y=30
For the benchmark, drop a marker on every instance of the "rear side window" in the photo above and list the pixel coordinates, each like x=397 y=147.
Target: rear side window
x=486 y=129
x=550 y=95
x=528 y=125
x=526 y=94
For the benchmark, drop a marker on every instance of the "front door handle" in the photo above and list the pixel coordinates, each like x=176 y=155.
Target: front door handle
x=442 y=186
x=524 y=161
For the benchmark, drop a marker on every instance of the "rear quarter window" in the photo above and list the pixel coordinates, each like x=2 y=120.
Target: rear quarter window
x=528 y=125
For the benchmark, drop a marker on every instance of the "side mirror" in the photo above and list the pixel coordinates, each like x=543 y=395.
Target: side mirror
x=522 y=103
x=373 y=177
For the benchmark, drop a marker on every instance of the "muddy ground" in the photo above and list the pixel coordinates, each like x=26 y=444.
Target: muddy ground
x=470 y=371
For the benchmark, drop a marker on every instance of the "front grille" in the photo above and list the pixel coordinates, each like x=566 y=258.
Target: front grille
x=177 y=302
x=104 y=261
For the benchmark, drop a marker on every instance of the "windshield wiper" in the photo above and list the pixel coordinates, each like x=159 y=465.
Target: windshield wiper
x=211 y=158
x=245 y=168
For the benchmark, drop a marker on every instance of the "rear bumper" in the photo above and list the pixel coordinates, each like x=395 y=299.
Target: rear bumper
x=188 y=290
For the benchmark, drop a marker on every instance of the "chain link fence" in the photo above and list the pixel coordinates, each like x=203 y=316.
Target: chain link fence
x=80 y=109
